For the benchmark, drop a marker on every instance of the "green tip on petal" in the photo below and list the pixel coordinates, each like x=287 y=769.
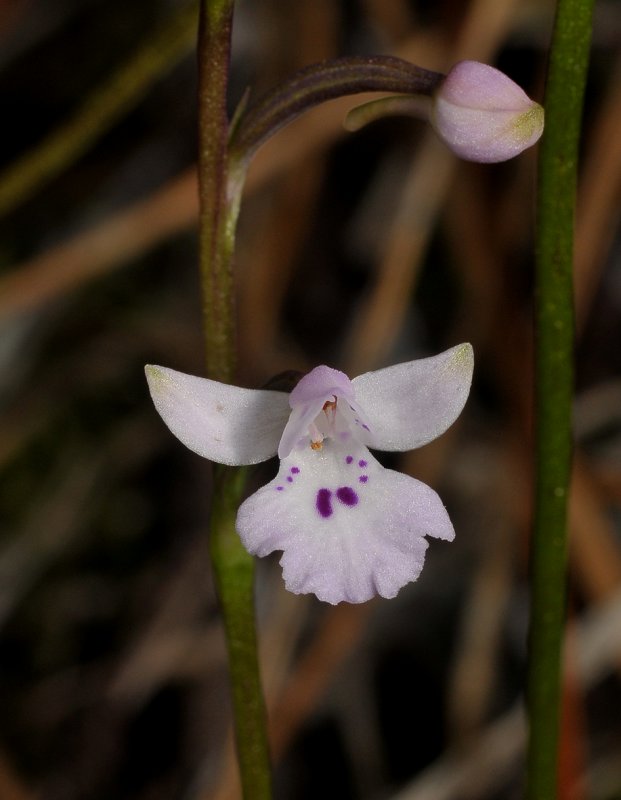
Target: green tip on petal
x=529 y=125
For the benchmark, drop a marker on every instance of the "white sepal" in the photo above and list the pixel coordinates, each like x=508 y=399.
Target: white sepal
x=224 y=423
x=410 y=404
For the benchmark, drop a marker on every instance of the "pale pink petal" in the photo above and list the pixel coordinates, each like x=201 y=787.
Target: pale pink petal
x=356 y=422
x=482 y=115
x=410 y=404
x=321 y=383
x=349 y=528
x=297 y=426
x=224 y=423
x=471 y=84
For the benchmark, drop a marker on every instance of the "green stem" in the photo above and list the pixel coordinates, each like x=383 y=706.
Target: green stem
x=102 y=109
x=234 y=571
x=220 y=184
x=554 y=384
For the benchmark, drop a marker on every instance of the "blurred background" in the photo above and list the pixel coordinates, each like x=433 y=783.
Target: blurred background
x=355 y=250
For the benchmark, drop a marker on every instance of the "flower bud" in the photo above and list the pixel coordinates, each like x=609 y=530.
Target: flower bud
x=482 y=115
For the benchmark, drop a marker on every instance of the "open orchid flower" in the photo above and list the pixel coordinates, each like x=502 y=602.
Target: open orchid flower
x=348 y=527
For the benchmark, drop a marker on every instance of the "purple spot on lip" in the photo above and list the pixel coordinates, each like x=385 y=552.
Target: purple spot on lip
x=363 y=478
x=279 y=488
x=362 y=463
x=289 y=479
x=349 y=459
x=323 y=503
x=347 y=496
x=295 y=470
x=366 y=427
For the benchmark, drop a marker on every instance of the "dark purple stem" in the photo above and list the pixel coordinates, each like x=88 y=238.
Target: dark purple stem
x=326 y=80
x=215 y=241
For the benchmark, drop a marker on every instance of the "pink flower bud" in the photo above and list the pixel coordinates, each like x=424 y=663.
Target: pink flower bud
x=482 y=115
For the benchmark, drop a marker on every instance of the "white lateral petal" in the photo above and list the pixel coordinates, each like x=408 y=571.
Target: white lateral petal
x=297 y=426
x=224 y=423
x=349 y=528
x=410 y=404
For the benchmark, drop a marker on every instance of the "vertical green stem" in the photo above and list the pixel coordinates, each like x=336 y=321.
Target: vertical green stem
x=554 y=384
x=220 y=189
x=234 y=572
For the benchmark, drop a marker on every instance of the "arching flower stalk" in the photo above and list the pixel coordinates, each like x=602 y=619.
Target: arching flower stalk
x=348 y=528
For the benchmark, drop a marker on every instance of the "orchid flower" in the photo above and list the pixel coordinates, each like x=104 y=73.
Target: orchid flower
x=348 y=527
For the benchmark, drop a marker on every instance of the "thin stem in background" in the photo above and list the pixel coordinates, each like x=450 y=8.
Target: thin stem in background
x=219 y=193
x=554 y=384
x=119 y=93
